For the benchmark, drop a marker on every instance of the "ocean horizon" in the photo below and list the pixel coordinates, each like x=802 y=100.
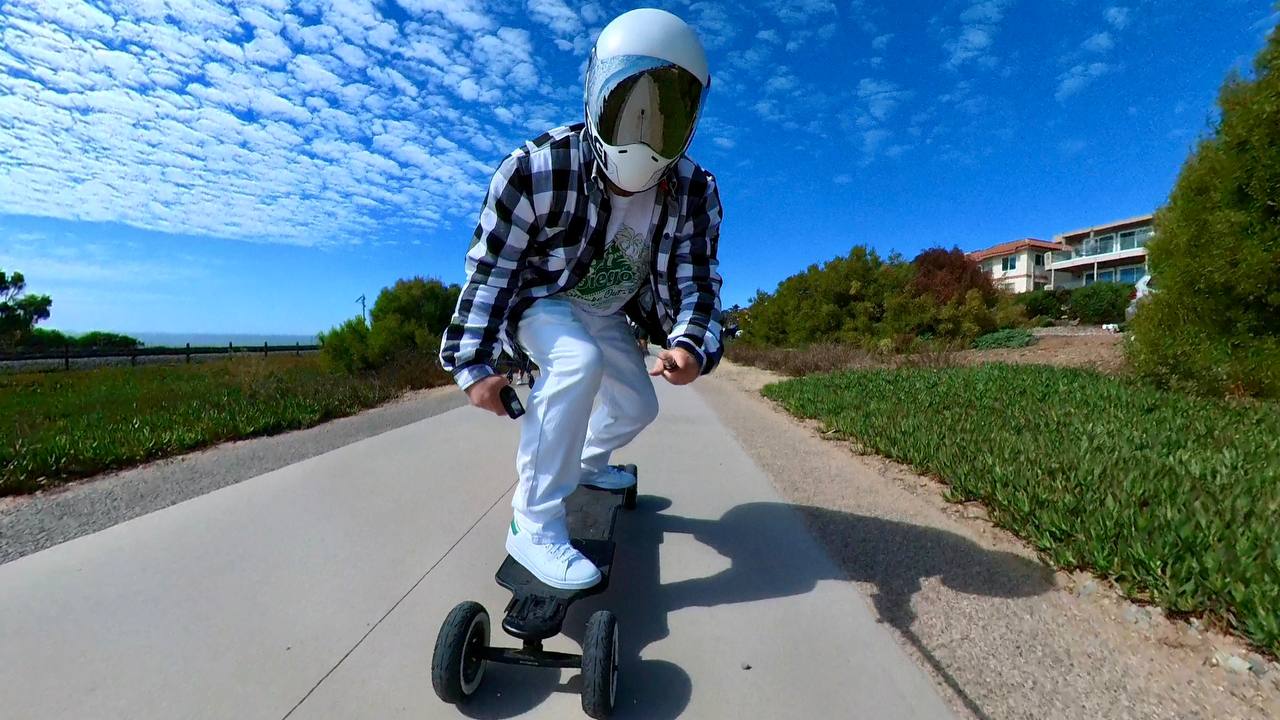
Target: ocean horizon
x=166 y=339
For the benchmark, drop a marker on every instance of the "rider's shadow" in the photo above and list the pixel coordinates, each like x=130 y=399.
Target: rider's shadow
x=895 y=557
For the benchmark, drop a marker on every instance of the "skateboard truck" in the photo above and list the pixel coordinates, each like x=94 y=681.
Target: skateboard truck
x=536 y=612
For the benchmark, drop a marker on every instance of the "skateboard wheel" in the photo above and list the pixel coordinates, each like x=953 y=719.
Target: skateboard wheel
x=600 y=665
x=457 y=665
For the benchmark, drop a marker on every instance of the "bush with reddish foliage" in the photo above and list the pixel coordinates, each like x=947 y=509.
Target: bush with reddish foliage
x=948 y=275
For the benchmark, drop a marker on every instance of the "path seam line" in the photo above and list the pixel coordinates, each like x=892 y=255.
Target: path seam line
x=397 y=602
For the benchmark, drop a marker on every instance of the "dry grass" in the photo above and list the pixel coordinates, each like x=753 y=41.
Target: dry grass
x=830 y=357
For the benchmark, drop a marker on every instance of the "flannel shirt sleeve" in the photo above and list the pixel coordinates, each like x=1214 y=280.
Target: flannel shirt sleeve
x=473 y=339
x=697 y=326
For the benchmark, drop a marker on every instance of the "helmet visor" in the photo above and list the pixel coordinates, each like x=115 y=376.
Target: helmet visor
x=640 y=99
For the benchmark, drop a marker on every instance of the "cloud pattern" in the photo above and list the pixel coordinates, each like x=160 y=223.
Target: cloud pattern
x=310 y=123
x=332 y=121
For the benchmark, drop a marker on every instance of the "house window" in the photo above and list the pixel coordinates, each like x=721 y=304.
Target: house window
x=1039 y=259
x=1088 y=278
x=1009 y=263
x=1106 y=244
x=1145 y=234
x=1107 y=276
x=1128 y=239
x=1131 y=275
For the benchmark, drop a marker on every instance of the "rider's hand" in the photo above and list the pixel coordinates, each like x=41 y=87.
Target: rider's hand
x=677 y=365
x=484 y=394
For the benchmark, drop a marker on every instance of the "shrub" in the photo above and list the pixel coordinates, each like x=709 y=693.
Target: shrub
x=347 y=346
x=880 y=305
x=843 y=299
x=408 y=319
x=106 y=340
x=1008 y=338
x=1046 y=303
x=1010 y=312
x=948 y=275
x=1101 y=302
x=44 y=339
x=1213 y=326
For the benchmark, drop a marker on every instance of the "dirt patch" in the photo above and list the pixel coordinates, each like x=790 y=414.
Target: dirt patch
x=1003 y=636
x=1104 y=353
x=1101 y=352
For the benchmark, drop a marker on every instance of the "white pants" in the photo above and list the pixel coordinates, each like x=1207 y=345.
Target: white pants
x=582 y=358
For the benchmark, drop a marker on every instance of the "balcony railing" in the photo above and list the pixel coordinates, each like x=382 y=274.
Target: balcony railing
x=1107 y=244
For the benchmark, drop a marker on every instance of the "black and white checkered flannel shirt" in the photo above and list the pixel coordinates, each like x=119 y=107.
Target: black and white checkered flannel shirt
x=543 y=222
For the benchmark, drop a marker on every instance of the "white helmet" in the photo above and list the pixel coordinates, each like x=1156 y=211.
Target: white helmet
x=645 y=85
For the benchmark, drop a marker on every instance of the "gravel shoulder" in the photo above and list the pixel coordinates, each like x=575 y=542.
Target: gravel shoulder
x=31 y=523
x=1002 y=635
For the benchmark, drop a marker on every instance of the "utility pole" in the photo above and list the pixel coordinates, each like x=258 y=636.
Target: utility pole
x=363 y=313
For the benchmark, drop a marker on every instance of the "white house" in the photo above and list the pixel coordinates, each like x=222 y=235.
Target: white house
x=1018 y=266
x=1114 y=252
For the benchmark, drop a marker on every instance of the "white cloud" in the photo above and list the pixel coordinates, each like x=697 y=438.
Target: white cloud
x=724 y=143
x=972 y=40
x=842 y=179
x=1099 y=42
x=872 y=140
x=1078 y=78
x=1117 y=16
x=880 y=97
x=881 y=42
x=263 y=125
x=802 y=12
x=557 y=16
x=715 y=25
x=466 y=14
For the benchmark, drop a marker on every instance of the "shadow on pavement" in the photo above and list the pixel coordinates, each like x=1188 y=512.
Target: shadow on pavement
x=893 y=556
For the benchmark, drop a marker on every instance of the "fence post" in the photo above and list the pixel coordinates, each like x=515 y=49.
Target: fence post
x=188 y=353
x=229 y=347
x=133 y=358
x=66 y=356
x=297 y=349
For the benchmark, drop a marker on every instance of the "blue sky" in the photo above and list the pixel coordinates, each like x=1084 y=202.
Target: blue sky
x=255 y=165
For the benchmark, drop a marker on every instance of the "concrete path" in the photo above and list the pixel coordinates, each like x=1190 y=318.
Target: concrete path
x=315 y=591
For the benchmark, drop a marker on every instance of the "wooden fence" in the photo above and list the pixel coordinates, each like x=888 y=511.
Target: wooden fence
x=68 y=353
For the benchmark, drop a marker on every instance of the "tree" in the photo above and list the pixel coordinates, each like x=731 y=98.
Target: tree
x=410 y=316
x=948 y=275
x=19 y=312
x=1213 y=322
x=407 y=320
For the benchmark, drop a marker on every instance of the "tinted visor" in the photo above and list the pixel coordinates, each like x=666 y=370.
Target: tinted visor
x=644 y=100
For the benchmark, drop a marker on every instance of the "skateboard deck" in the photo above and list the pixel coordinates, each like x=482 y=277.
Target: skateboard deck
x=537 y=610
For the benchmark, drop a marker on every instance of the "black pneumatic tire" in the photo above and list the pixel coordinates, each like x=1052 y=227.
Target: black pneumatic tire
x=600 y=665
x=456 y=667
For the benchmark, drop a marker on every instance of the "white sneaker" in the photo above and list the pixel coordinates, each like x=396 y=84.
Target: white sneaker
x=559 y=565
x=611 y=478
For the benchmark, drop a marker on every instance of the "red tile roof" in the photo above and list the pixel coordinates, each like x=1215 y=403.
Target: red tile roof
x=1010 y=248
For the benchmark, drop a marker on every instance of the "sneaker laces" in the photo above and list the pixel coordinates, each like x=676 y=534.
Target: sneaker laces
x=562 y=551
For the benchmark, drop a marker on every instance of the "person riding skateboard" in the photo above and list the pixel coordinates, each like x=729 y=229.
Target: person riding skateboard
x=582 y=228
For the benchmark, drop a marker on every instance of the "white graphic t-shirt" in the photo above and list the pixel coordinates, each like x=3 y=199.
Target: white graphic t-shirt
x=618 y=273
